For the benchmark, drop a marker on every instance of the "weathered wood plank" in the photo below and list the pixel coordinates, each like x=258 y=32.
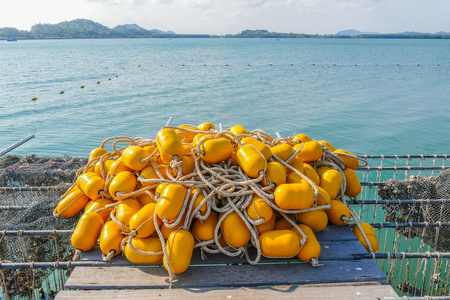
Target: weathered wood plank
x=336 y=233
x=369 y=291
x=337 y=250
x=225 y=276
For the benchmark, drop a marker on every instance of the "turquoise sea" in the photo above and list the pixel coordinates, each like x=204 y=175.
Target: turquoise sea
x=365 y=103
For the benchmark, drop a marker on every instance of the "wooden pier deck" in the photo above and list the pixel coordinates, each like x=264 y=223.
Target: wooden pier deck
x=219 y=276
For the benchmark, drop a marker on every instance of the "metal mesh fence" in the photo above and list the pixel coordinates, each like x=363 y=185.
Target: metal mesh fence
x=30 y=188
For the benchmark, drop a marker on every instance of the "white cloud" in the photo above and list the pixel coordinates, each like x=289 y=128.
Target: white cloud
x=232 y=16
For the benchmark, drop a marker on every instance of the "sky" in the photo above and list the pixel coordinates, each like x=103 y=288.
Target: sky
x=233 y=16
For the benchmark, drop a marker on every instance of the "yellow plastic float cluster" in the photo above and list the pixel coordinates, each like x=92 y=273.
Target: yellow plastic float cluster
x=222 y=191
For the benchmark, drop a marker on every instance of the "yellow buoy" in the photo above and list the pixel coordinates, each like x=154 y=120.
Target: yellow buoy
x=296 y=163
x=301 y=138
x=259 y=209
x=235 y=230
x=123 y=183
x=294 y=196
x=207 y=126
x=150 y=244
x=34 y=98
x=98 y=82
x=311 y=249
x=203 y=230
x=282 y=224
x=216 y=150
x=180 y=246
x=311 y=173
x=118 y=166
x=61 y=92
x=353 y=186
x=97 y=152
x=252 y=161
x=146 y=197
x=171 y=202
x=107 y=163
x=97 y=204
x=142 y=221
x=275 y=174
x=331 y=181
x=370 y=234
x=87 y=231
x=110 y=238
x=238 y=129
x=283 y=151
x=150 y=173
x=91 y=184
x=72 y=204
x=328 y=145
x=279 y=243
x=197 y=201
x=126 y=209
x=166 y=231
x=82 y=86
x=309 y=151
x=337 y=211
x=169 y=145
x=316 y=219
x=350 y=160
x=268 y=226
x=262 y=147
x=323 y=198
x=133 y=157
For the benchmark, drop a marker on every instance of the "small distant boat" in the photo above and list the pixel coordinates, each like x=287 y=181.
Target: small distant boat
x=12 y=40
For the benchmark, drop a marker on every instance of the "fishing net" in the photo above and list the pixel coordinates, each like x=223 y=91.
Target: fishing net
x=30 y=188
x=420 y=187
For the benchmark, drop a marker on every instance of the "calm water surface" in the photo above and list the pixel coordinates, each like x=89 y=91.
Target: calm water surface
x=366 y=109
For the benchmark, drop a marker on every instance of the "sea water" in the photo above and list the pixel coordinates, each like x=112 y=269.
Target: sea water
x=369 y=96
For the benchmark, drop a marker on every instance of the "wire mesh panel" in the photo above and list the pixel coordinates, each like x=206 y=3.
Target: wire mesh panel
x=397 y=190
x=30 y=189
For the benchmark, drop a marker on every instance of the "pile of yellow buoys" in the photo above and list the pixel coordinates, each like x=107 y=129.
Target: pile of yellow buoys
x=219 y=190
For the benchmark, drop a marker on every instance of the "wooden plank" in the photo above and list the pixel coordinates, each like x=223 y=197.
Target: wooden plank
x=336 y=233
x=225 y=276
x=369 y=291
x=337 y=250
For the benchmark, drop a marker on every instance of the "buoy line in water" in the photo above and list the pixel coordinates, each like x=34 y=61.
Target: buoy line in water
x=248 y=65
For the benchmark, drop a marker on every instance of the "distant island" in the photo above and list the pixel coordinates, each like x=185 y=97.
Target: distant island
x=88 y=29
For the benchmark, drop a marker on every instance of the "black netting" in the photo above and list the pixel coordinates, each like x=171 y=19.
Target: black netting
x=30 y=189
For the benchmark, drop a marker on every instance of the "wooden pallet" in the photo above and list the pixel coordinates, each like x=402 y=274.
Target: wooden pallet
x=219 y=276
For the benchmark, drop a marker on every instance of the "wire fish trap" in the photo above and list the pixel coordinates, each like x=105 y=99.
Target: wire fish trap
x=406 y=198
x=421 y=187
x=30 y=187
